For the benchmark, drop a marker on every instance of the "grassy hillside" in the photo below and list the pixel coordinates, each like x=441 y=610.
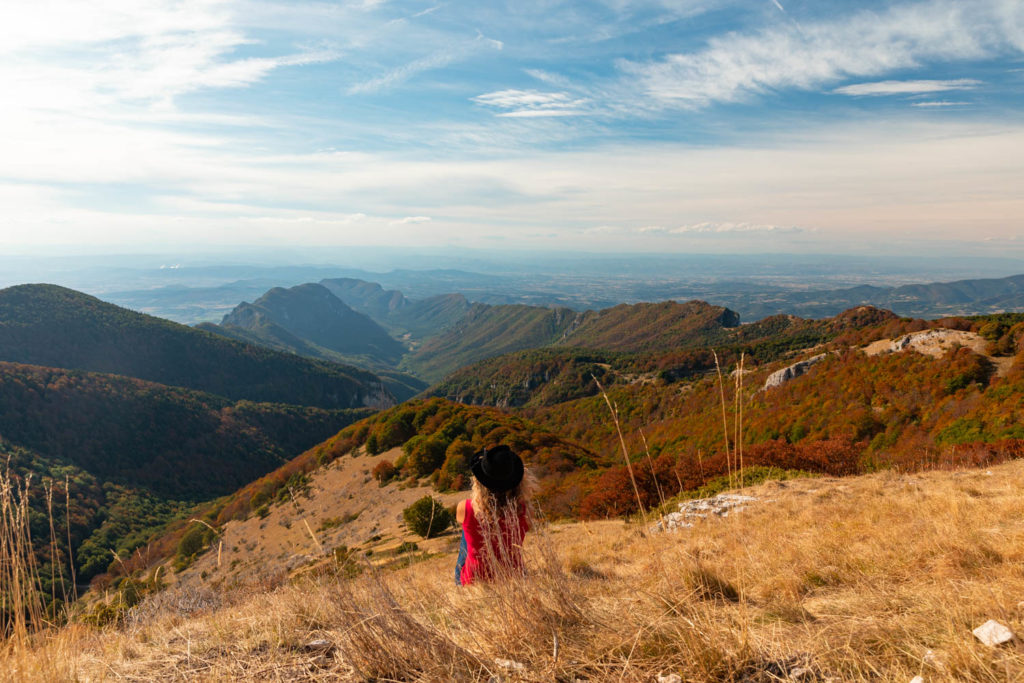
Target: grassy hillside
x=487 y=331
x=58 y=327
x=815 y=579
x=643 y=327
x=137 y=453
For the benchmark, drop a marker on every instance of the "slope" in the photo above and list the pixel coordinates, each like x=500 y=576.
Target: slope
x=816 y=579
x=644 y=327
x=486 y=331
x=58 y=327
x=136 y=452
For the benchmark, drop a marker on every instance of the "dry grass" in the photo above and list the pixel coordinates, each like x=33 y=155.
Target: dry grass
x=880 y=577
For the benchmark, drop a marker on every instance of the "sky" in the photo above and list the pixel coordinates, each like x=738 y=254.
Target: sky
x=664 y=126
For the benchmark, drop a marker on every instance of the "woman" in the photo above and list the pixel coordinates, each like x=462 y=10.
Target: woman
x=495 y=518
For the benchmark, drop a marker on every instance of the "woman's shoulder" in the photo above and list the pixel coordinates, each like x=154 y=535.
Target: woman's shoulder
x=461 y=510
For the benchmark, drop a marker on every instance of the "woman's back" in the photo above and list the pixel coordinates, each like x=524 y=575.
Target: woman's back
x=493 y=546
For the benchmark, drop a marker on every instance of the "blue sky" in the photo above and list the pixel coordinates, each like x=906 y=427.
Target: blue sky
x=651 y=126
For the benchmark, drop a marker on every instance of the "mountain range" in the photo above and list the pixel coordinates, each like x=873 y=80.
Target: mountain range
x=58 y=327
x=149 y=421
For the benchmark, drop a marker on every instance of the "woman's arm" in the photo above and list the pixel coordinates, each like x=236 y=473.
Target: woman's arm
x=460 y=512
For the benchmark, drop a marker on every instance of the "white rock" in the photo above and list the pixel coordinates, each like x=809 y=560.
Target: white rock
x=669 y=678
x=510 y=664
x=992 y=633
x=780 y=377
x=319 y=645
x=801 y=673
x=933 y=660
x=917 y=679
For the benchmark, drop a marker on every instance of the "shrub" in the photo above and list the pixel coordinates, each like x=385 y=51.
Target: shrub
x=427 y=517
x=195 y=540
x=384 y=471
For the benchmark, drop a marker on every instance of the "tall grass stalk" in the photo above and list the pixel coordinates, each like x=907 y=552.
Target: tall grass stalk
x=725 y=421
x=21 y=605
x=67 y=525
x=654 y=474
x=625 y=451
x=738 y=417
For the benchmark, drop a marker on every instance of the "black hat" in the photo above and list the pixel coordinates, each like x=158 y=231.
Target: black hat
x=498 y=468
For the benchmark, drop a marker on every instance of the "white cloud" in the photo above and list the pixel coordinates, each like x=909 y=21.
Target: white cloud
x=412 y=220
x=940 y=103
x=119 y=54
x=906 y=87
x=730 y=228
x=715 y=228
x=532 y=103
x=860 y=184
x=737 y=65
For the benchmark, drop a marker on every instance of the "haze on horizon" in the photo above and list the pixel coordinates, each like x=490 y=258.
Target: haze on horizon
x=697 y=126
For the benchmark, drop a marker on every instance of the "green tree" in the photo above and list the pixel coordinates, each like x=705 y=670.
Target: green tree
x=427 y=517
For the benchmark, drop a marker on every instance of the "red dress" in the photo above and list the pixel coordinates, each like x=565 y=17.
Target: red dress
x=503 y=549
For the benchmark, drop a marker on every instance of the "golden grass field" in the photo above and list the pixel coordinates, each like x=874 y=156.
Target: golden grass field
x=880 y=577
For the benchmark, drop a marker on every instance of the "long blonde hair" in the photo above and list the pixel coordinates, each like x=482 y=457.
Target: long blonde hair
x=488 y=505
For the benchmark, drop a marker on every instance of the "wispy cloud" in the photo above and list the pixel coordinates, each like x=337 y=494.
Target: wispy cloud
x=940 y=103
x=808 y=56
x=436 y=60
x=906 y=87
x=532 y=103
x=711 y=228
x=411 y=220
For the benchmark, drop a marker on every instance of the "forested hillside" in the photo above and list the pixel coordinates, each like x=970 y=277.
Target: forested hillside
x=547 y=376
x=137 y=453
x=58 y=327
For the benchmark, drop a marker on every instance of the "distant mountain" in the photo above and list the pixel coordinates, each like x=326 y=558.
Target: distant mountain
x=644 y=327
x=310 y=321
x=53 y=326
x=446 y=332
x=931 y=300
x=313 y=313
x=367 y=297
x=400 y=316
x=123 y=439
x=488 y=331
